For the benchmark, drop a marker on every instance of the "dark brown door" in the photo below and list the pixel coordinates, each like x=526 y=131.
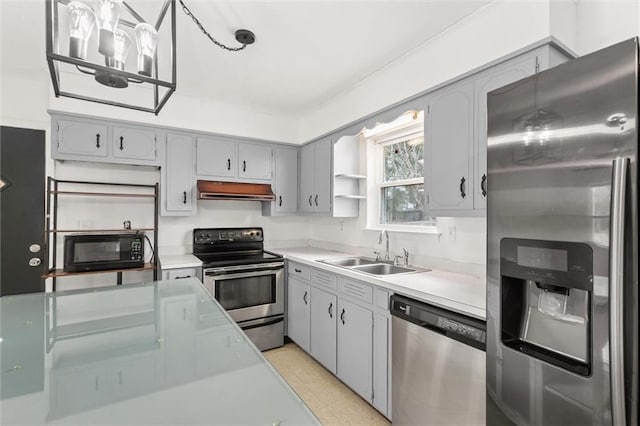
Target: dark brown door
x=22 y=201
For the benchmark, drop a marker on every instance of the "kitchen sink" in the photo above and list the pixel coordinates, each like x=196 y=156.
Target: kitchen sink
x=370 y=266
x=350 y=261
x=383 y=269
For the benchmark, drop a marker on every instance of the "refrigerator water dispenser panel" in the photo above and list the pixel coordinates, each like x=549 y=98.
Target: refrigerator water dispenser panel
x=546 y=291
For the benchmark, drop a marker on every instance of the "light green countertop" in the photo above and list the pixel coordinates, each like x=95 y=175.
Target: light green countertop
x=156 y=353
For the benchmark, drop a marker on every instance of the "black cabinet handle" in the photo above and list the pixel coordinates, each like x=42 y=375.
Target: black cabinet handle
x=331 y=310
x=310 y=203
x=98 y=140
x=305 y=297
x=121 y=143
x=228 y=163
x=483 y=185
x=342 y=316
x=462 y=193
x=184 y=197
x=316 y=199
x=298 y=270
x=280 y=201
x=244 y=166
x=182 y=277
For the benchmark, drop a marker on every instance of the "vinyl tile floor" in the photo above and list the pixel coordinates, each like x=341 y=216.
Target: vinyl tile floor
x=329 y=399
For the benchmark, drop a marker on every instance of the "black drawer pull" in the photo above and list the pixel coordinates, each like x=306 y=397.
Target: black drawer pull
x=228 y=163
x=184 y=197
x=483 y=185
x=310 y=198
x=121 y=143
x=280 y=202
x=316 y=199
x=182 y=277
x=462 y=193
x=298 y=270
x=305 y=297
x=342 y=316
x=331 y=310
x=244 y=166
x=98 y=140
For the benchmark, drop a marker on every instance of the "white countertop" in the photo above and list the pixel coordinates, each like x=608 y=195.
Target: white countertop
x=461 y=293
x=175 y=261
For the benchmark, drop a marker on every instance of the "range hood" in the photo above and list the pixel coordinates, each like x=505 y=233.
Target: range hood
x=215 y=190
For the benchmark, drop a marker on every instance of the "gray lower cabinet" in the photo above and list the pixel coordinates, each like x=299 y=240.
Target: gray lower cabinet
x=134 y=143
x=324 y=306
x=181 y=273
x=299 y=312
x=84 y=138
x=315 y=177
x=449 y=148
x=177 y=180
x=216 y=157
x=355 y=344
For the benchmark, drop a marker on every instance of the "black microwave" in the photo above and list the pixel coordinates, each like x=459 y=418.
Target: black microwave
x=95 y=252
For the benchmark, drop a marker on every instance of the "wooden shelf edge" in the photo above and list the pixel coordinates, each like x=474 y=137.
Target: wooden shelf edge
x=349 y=176
x=352 y=197
x=57 y=273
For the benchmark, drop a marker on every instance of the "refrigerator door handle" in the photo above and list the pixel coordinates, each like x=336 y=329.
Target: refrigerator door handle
x=616 y=289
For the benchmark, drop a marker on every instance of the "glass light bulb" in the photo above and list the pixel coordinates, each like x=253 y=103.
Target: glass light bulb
x=121 y=44
x=146 y=42
x=81 y=23
x=107 y=17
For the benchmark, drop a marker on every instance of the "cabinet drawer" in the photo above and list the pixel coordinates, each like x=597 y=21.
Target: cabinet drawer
x=176 y=274
x=299 y=271
x=356 y=289
x=381 y=298
x=323 y=279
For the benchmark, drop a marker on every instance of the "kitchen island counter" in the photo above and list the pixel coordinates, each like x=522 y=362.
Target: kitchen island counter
x=461 y=293
x=155 y=353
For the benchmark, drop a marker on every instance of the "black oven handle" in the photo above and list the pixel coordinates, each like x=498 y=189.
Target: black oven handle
x=261 y=323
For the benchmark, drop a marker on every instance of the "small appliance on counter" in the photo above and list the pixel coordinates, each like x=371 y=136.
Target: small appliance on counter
x=245 y=279
x=562 y=250
x=98 y=252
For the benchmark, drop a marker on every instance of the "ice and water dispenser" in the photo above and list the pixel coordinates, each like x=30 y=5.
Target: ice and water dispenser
x=546 y=296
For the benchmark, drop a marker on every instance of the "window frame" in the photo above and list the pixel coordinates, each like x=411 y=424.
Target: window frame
x=377 y=184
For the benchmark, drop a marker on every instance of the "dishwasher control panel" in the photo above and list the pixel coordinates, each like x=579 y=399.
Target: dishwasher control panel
x=457 y=327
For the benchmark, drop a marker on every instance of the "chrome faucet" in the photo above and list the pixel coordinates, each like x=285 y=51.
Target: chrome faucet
x=405 y=255
x=385 y=234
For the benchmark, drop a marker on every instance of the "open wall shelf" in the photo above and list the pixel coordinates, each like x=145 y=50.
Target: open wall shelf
x=57 y=188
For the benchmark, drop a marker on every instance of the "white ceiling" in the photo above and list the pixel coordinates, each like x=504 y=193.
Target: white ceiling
x=306 y=52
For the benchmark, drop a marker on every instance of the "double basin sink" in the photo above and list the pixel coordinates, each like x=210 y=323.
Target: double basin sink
x=370 y=266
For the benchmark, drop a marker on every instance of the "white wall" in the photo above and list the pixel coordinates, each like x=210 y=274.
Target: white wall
x=602 y=23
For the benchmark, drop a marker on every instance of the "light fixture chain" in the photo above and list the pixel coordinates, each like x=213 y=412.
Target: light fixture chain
x=188 y=12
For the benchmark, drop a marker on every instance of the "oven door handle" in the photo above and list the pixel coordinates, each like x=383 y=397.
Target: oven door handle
x=231 y=275
x=262 y=322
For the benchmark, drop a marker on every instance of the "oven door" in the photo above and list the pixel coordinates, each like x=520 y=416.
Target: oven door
x=248 y=292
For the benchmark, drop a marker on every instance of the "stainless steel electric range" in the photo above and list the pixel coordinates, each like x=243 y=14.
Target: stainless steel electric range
x=245 y=279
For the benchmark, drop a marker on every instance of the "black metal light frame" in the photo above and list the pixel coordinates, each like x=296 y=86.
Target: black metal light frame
x=53 y=58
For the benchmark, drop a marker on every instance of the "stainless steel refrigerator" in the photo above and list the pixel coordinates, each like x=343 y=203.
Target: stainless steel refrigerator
x=562 y=250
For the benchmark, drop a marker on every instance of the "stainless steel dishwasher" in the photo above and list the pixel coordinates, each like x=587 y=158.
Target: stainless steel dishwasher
x=438 y=363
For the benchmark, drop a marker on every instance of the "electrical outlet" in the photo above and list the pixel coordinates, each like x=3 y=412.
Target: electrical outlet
x=452 y=233
x=341 y=226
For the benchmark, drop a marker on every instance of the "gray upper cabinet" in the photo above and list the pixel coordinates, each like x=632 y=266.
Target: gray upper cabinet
x=135 y=143
x=315 y=177
x=254 y=161
x=83 y=138
x=489 y=80
x=449 y=148
x=285 y=187
x=178 y=183
x=216 y=157
x=307 y=155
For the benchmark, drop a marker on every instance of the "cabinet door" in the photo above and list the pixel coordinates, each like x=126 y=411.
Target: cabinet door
x=323 y=328
x=322 y=176
x=178 y=188
x=449 y=149
x=84 y=138
x=298 y=299
x=286 y=180
x=133 y=143
x=254 y=161
x=381 y=363
x=216 y=157
x=307 y=155
x=489 y=80
x=355 y=347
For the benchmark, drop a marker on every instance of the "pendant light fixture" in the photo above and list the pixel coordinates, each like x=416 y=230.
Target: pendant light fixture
x=104 y=54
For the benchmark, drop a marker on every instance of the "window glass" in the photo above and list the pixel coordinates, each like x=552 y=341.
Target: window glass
x=403 y=204
x=404 y=160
